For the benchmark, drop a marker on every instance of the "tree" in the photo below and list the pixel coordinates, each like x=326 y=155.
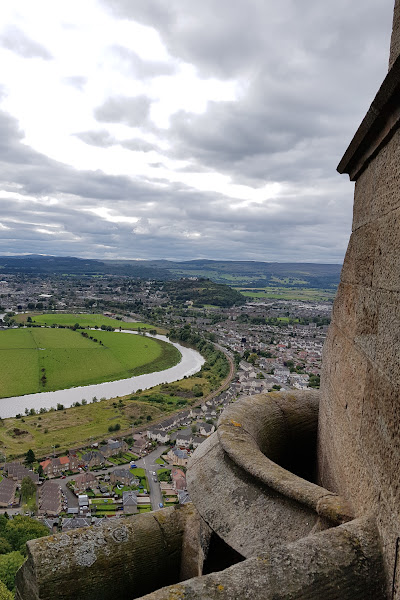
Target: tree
x=30 y=457
x=9 y=565
x=253 y=358
x=5 y=593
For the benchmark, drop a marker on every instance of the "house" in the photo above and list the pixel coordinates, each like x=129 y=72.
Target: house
x=140 y=443
x=53 y=467
x=178 y=479
x=50 y=499
x=130 y=502
x=113 y=447
x=17 y=472
x=7 y=492
x=178 y=457
x=183 y=440
x=206 y=429
x=196 y=441
x=84 y=482
x=169 y=423
x=158 y=435
x=74 y=523
x=184 y=418
x=74 y=460
x=93 y=459
x=123 y=476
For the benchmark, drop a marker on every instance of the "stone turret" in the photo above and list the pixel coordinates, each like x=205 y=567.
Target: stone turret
x=295 y=494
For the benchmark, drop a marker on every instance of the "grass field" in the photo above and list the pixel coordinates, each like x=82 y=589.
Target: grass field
x=286 y=293
x=71 y=428
x=83 y=319
x=67 y=359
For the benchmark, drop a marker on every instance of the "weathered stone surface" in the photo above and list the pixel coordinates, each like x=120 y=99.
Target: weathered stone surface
x=375 y=192
x=250 y=501
x=122 y=559
x=343 y=562
x=358 y=266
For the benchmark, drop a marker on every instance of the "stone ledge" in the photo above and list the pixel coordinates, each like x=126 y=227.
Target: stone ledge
x=377 y=127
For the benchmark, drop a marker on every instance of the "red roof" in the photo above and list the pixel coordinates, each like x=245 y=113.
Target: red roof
x=45 y=463
x=64 y=460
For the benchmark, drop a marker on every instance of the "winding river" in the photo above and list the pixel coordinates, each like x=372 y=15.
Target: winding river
x=191 y=362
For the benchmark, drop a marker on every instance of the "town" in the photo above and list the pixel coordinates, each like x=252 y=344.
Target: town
x=271 y=345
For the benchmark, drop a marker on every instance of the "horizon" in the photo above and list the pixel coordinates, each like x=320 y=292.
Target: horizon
x=27 y=255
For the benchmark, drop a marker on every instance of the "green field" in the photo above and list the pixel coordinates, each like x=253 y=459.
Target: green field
x=46 y=359
x=83 y=319
x=286 y=293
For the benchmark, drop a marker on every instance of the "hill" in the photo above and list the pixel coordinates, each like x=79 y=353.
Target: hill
x=201 y=292
x=234 y=273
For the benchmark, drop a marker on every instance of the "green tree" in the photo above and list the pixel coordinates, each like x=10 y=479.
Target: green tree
x=9 y=565
x=20 y=529
x=30 y=457
x=5 y=593
x=5 y=547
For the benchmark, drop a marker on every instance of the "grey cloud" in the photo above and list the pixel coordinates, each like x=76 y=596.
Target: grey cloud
x=133 y=111
x=76 y=81
x=101 y=138
x=226 y=38
x=139 y=145
x=139 y=68
x=15 y=40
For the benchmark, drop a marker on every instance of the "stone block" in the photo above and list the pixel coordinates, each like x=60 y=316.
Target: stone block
x=358 y=264
x=386 y=268
x=388 y=339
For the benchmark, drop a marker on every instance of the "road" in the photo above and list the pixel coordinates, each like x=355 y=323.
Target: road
x=147 y=462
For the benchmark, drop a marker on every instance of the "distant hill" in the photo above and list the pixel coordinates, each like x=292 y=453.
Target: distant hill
x=234 y=273
x=69 y=265
x=257 y=274
x=201 y=292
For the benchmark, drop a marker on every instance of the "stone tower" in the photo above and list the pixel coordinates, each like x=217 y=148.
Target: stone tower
x=359 y=424
x=296 y=495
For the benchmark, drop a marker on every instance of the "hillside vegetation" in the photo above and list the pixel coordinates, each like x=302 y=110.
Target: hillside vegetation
x=202 y=292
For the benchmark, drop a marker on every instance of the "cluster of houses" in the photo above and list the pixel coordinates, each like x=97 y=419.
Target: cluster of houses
x=54 y=467
x=202 y=417
x=13 y=475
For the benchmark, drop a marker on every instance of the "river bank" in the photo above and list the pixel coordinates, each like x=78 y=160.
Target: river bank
x=191 y=362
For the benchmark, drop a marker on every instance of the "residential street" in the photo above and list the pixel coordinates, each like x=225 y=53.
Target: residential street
x=148 y=463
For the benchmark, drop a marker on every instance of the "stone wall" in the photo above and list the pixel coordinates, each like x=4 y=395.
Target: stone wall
x=359 y=427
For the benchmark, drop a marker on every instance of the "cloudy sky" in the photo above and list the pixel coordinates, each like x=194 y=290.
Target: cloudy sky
x=182 y=129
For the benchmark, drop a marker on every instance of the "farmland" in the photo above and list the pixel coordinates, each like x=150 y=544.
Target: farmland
x=47 y=359
x=289 y=293
x=84 y=320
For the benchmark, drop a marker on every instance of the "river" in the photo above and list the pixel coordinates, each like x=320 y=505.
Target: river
x=190 y=364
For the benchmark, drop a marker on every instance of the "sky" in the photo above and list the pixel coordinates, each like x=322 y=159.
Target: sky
x=146 y=129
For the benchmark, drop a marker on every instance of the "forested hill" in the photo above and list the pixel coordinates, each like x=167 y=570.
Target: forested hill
x=202 y=292
x=257 y=274
x=235 y=273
